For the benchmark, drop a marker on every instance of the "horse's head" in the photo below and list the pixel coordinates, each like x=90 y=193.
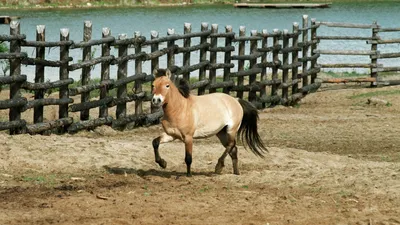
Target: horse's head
x=161 y=86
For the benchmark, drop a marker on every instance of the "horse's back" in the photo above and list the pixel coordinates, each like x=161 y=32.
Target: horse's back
x=215 y=111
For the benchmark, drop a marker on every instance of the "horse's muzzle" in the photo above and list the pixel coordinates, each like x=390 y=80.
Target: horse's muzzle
x=157 y=100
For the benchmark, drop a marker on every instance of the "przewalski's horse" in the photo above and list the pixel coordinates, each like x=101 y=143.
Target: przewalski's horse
x=188 y=117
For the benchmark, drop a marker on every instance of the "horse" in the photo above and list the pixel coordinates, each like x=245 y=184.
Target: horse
x=187 y=117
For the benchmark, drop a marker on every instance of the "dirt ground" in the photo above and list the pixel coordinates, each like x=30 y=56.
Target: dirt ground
x=332 y=160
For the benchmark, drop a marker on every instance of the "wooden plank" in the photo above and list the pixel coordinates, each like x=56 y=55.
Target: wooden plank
x=281 y=5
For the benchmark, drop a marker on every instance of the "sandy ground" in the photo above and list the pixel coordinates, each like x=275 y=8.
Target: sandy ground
x=332 y=160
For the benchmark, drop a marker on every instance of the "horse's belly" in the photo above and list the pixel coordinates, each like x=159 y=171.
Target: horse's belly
x=208 y=131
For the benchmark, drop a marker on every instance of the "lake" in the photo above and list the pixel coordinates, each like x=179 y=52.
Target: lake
x=146 y=19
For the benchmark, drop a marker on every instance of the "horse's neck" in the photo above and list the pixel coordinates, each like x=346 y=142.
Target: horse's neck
x=177 y=104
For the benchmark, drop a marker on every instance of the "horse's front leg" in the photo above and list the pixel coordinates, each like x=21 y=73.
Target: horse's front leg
x=188 y=154
x=164 y=138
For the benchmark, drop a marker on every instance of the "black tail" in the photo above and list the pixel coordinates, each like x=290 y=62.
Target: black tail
x=248 y=129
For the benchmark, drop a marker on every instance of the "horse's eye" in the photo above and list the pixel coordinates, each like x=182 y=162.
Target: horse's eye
x=152 y=86
x=167 y=86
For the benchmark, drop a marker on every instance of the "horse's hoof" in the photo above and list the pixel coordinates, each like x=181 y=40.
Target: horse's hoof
x=162 y=163
x=189 y=175
x=218 y=168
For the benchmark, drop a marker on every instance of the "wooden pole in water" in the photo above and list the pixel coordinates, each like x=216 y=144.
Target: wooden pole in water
x=253 y=62
x=155 y=63
x=105 y=71
x=87 y=55
x=15 y=70
x=305 y=50
x=213 y=56
x=264 y=60
x=285 y=59
x=39 y=73
x=121 y=74
x=313 y=48
x=187 y=29
x=295 y=58
x=171 y=54
x=242 y=46
x=374 y=58
x=203 y=57
x=138 y=83
x=64 y=75
x=227 y=57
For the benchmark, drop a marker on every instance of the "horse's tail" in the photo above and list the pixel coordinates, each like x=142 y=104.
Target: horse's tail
x=248 y=129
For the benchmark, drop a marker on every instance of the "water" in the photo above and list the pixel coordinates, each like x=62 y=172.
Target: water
x=129 y=20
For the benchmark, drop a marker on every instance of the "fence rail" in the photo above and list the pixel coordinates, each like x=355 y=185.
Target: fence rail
x=267 y=68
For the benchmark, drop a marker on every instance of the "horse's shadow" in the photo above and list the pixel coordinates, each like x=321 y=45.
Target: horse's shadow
x=153 y=172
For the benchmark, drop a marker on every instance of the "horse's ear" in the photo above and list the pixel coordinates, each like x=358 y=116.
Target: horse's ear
x=168 y=73
x=155 y=72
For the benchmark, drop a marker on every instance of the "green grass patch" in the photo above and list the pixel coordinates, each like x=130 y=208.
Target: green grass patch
x=376 y=93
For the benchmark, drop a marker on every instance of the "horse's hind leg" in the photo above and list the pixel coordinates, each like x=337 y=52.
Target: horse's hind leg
x=164 y=138
x=228 y=141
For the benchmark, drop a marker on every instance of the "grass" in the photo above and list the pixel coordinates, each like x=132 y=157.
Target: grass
x=376 y=93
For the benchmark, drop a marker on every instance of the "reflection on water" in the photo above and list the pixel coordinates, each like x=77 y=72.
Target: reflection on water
x=129 y=20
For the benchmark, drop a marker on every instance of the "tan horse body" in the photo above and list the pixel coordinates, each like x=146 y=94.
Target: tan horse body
x=187 y=117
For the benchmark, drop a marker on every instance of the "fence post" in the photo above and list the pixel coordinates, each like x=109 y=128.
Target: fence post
x=275 y=60
x=155 y=63
x=39 y=73
x=313 y=48
x=264 y=44
x=285 y=63
x=187 y=29
x=295 y=58
x=213 y=57
x=203 y=57
x=305 y=50
x=138 y=83
x=122 y=73
x=105 y=72
x=253 y=62
x=242 y=46
x=87 y=51
x=171 y=52
x=374 y=58
x=15 y=70
x=227 y=57
x=64 y=74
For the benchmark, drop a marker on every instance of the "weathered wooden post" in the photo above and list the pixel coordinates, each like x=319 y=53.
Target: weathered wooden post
x=64 y=74
x=187 y=29
x=171 y=52
x=87 y=55
x=374 y=58
x=227 y=57
x=242 y=46
x=155 y=63
x=203 y=57
x=213 y=56
x=253 y=62
x=105 y=71
x=15 y=70
x=39 y=73
x=276 y=64
x=121 y=74
x=138 y=70
x=264 y=45
x=285 y=64
x=305 y=50
x=295 y=58
x=313 y=48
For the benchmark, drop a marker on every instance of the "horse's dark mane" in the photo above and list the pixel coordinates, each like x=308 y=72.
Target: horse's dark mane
x=183 y=87
x=180 y=83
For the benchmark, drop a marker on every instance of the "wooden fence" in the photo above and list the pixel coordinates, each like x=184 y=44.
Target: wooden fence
x=264 y=60
x=376 y=55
